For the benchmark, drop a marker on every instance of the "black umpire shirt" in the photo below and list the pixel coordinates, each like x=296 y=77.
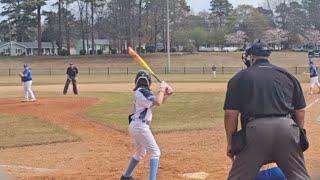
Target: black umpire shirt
x=72 y=72
x=264 y=90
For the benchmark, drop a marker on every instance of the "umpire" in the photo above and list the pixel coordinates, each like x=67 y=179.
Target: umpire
x=266 y=97
x=72 y=72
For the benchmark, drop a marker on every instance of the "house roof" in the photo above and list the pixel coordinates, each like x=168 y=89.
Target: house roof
x=29 y=44
x=98 y=41
x=35 y=44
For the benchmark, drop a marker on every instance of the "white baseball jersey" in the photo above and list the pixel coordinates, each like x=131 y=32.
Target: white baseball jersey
x=143 y=101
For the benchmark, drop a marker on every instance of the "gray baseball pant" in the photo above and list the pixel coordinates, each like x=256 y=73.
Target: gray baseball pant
x=274 y=139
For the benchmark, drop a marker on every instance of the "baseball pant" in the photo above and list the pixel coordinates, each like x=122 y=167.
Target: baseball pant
x=74 y=84
x=28 y=93
x=273 y=139
x=314 y=81
x=143 y=140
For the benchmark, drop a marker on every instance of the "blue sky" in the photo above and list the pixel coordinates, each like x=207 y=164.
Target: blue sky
x=198 y=5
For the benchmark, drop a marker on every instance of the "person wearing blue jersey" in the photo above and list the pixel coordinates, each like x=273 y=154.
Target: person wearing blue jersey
x=139 y=124
x=314 y=79
x=26 y=78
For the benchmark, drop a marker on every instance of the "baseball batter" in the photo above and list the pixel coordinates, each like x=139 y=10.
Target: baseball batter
x=140 y=120
x=26 y=78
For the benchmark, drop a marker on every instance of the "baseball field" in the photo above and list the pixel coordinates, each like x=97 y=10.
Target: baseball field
x=85 y=136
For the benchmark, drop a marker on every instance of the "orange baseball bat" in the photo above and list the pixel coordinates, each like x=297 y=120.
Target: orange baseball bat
x=141 y=62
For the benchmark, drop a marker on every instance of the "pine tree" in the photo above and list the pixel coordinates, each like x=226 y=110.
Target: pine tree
x=220 y=9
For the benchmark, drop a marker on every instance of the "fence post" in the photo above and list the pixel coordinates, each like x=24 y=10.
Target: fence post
x=165 y=70
x=203 y=70
x=127 y=70
x=50 y=73
x=9 y=71
x=108 y=70
x=296 y=69
x=89 y=71
x=184 y=70
x=222 y=70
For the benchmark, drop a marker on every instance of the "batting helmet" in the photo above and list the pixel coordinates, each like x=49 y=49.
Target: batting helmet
x=26 y=66
x=143 y=79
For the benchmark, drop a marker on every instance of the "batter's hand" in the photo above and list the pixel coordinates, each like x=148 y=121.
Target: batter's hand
x=168 y=91
x=163 y=86
x=229 y=153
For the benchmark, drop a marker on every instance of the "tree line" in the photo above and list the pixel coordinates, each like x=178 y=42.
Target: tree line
x=140 y=23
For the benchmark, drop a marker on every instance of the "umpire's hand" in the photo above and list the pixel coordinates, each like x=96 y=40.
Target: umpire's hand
x=229 y=154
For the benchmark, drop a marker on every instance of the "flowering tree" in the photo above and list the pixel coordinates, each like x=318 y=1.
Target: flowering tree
x=312 y=37
x=237 y=38
x=275 y=36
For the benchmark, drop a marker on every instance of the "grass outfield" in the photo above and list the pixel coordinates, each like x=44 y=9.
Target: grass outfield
x=183 y=111
x=284 y=59
x=101 y=79
x=17 y=131
x=110 y=79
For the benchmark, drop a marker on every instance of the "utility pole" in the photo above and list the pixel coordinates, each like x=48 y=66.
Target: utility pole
x=168 y=38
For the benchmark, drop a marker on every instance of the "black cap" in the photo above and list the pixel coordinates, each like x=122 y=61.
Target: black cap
x=259 y=48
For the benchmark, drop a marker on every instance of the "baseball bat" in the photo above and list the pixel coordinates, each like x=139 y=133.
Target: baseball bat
x=141 y=62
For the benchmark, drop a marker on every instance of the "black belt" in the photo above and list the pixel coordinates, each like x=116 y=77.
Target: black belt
x=270 y=116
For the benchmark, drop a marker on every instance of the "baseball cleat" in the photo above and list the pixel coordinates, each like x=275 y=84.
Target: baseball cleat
x=25 y=100
x=126 y=178
x=33 y=100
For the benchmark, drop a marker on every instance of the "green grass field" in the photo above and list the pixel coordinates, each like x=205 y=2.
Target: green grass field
x=183 y=111
x=17 y=131
x=112 y=79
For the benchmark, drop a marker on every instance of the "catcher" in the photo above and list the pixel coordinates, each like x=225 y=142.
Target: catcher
x=26 y=78
x=140 y=120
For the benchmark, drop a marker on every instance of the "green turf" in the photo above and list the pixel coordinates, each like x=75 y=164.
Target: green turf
x=101 y=79
x=183 y=111
x=17 y=131
x=110 y=79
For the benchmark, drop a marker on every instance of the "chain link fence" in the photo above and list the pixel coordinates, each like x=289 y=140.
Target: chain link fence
x=130 y=70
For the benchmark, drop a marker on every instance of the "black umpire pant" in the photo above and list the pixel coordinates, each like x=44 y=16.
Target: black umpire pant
x=274 y=139
x=74 y=84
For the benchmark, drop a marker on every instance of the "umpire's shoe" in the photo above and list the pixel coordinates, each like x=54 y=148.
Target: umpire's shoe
x=126 y=178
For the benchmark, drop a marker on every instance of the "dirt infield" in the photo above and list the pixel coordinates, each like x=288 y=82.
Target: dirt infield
x=103 y=153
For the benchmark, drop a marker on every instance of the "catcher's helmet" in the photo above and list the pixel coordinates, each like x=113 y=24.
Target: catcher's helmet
x=143 y=79
x=258 y=48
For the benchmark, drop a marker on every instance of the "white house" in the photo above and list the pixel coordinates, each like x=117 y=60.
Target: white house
x=26 y=48
x=99 y=44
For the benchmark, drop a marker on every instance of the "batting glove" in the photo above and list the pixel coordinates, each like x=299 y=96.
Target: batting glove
x=163 y=86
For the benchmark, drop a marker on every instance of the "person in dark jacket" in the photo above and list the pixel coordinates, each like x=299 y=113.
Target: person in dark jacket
x=72 y=73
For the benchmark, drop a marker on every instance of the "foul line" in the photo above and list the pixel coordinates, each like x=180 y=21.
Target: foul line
x=41 y=170
x=311 y=104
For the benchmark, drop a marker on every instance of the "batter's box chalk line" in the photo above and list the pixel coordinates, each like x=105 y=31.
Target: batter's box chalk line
x=196 y=175
x=39 y=170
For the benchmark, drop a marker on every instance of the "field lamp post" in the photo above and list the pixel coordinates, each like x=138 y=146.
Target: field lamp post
x=168 y=38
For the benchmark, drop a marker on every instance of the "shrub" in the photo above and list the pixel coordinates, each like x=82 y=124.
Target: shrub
x=113 y=51
x=189 y=48
x=83 y=52
x=64 y=52
x=150 y=49
x=99 y=52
